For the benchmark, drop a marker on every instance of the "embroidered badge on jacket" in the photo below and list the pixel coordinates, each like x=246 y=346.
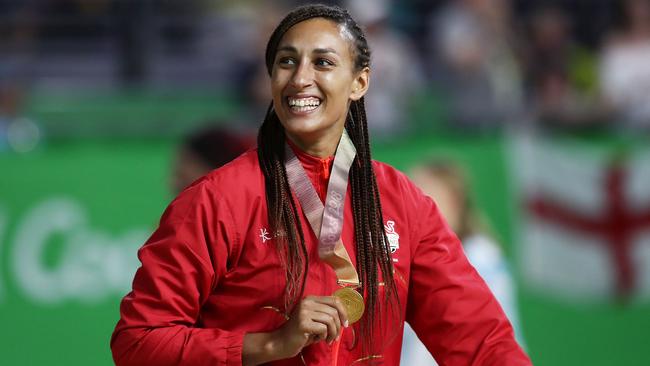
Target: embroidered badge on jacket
x=393 y=236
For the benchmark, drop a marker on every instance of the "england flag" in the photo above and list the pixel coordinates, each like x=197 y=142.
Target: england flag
x=583 y=228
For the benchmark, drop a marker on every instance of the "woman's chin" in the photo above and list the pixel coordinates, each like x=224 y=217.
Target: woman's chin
x=301 y=131
x=301 y=124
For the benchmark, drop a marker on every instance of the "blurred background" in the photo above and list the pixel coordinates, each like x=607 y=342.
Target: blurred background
x=544 y=106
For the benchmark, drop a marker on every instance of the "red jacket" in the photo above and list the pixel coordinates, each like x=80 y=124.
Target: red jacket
x=210 y=274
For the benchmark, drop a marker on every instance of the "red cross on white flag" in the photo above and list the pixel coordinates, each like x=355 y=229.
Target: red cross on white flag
x=584 y=227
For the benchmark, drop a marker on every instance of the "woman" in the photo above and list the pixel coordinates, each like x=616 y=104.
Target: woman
x=236 y=273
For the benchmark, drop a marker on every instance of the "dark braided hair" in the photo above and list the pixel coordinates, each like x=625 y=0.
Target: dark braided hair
x=373 y=252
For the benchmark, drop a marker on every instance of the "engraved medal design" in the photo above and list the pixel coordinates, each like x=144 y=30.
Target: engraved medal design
x=353 y=303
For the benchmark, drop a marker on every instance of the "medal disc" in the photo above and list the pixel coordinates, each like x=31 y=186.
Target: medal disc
x=353 y=303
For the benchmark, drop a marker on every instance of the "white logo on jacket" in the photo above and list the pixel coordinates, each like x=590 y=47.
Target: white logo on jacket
x=264 y=235
x=393 y=236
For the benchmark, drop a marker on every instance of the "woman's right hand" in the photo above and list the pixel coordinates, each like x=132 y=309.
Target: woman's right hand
x=314 y=319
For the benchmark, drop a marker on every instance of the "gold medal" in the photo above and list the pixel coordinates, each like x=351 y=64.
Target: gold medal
x=353 y=303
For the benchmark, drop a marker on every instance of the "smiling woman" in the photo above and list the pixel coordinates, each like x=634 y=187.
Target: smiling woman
x=275 y=258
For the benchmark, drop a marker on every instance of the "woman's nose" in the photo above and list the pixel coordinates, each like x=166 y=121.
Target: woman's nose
x=303 y=76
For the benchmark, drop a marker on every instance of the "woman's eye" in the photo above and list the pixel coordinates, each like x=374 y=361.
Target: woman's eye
x=286 y=61
x=324 y=62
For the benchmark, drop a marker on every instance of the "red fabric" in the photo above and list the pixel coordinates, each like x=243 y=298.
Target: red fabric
x=211 y=273
x=318 y=169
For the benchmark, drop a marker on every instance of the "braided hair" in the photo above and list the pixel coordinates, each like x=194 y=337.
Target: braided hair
x=372 y=249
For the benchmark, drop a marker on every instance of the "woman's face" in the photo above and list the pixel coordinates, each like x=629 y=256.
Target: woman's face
x=313 y=80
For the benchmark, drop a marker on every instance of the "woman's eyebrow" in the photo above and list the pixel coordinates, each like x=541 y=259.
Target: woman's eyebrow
x=325 y=50
x=288 y=49
x=316 y=50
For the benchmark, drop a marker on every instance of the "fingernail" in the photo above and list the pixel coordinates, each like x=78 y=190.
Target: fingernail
x=346 y=324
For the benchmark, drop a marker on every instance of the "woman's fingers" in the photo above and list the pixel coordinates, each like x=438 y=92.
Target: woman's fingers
x=338 y=305
x=332 y=324
x=335 y=303
x=312 y=310
x=332 y=313
x=315 y=331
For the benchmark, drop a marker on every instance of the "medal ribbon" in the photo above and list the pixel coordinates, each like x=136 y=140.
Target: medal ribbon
x=327 y=220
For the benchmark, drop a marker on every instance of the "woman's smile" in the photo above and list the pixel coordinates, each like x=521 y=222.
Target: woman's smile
x=303 y=105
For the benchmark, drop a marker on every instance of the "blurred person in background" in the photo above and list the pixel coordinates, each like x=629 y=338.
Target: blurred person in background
x=241 y=271
x=205 y=150
x=446 y=183
x=625 y=65
x=252 y=82
x=8 y=113
x=561 y=74
x=397 y=74
x=17 y=132
x=474 y=62
x=18 y=37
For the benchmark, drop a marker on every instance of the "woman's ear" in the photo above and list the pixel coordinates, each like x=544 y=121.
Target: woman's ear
x=360 y=84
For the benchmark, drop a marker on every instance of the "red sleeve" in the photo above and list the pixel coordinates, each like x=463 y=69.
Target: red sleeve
x=181 y=264
x=450 y=307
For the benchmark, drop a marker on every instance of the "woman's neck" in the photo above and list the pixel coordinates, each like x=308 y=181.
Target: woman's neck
x=321 y=147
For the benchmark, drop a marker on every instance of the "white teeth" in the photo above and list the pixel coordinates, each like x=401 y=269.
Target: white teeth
x=304 y=102
x=304 y=109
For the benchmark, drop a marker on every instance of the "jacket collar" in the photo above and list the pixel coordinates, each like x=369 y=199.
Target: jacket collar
x=318 y=169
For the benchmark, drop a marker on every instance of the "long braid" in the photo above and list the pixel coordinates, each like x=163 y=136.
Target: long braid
x=372 y=249
x=372 y=244
x=282 y=210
